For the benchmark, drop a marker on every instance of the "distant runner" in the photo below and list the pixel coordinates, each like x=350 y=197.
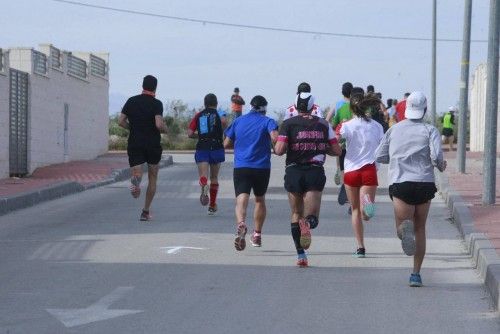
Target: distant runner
x=237 y=103
x=448 y=121
x=143 y=116
x=251 y=135
x=412 y=149
x=306 y=140
x=292 y=111
x=207 y=127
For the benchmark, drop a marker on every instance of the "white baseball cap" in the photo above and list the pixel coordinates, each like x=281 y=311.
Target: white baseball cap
x=453 y=108
x=304 y=102
x=416 y=104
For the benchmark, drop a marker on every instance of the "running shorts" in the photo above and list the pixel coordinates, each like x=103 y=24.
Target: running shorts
x=413 y=193
x=246 y=179
x=303 y=178
x=138 y=156
x=212 y=157
x=447 y=132
x=365 y=176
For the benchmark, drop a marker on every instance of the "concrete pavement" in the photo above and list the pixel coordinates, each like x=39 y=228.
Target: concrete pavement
x=479 y=225
x=88 y=255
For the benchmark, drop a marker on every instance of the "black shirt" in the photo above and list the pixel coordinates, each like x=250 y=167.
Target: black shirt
x=141 y=111
x=308 y=138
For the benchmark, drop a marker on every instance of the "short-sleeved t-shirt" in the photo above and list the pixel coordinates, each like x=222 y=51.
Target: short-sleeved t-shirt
x=308 y=138
x=292 y=111
x=400 y=110
x=208 y=124
x=252 y=143
x=141 y=111
x=362 y=139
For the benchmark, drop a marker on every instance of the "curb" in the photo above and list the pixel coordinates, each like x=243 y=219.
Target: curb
x=61 y=189
x=484 y=257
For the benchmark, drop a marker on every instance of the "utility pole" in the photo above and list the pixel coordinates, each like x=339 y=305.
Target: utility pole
x=433 y=80
x=464 y=89
x=490 y=135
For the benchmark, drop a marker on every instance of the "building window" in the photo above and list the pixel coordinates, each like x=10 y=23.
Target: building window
x=77 y=66
x=97 y=66
x=55 y=58
x=39 y=62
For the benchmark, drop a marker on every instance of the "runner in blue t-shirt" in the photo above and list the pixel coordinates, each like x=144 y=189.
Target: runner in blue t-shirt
x=252 y=136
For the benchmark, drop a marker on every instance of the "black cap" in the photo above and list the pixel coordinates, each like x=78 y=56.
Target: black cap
x=304 y=87
x=258 y=101
x=236 y=90
x=149 y=83
x=210 y=100
x=370 y=89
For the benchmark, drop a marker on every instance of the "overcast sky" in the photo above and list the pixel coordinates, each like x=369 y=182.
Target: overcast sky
x=192 y=59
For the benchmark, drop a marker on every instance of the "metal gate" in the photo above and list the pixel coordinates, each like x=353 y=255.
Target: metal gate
x=18 y=132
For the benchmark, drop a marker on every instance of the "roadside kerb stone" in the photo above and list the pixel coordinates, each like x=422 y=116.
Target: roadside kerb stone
x=61 y=189
x=484 y=255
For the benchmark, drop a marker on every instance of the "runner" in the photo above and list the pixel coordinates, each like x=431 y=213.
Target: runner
x=237 y=103
x=342 y=115
x=362 y=136
x=143 y=116
x=251 y=136
x=292 y=111
x=207 y=126
x=346 y=89
x=412 y=149
x=448 y=121
x=401 y=107
x=306 y=140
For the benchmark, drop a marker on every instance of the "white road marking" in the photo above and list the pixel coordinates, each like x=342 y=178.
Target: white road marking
x=177 y=249
x=96 y=312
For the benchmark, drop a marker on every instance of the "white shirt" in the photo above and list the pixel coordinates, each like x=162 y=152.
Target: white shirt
x=362 y=139
x=291 y=111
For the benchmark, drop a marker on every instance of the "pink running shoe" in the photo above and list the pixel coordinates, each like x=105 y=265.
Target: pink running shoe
x=305 y=234
x=239 y=241
x=302 y=261
x=256 y=239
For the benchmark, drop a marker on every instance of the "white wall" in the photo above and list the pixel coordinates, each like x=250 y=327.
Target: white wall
x=4 y=118
x=478 y=109
x=88 y=112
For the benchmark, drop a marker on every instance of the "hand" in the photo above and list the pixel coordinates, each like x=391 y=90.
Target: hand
x=443 y=166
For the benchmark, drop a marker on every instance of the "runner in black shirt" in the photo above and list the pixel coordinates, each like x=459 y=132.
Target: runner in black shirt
x=143 y=116
x=306 y=140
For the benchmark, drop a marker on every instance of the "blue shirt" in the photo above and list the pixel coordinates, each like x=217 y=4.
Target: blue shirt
x=252 y=142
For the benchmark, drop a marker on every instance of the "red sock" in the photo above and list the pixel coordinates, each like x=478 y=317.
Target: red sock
x=214 y=188
x=203 y=181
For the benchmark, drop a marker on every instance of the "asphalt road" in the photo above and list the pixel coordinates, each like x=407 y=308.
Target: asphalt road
x=85 y=264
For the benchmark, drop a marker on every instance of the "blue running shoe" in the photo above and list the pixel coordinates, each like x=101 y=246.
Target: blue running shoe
x=368 y=207
x=415 y=280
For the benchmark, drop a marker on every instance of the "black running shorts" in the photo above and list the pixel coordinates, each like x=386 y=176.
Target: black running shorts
x=413 y=193
x=303 y=178
x=138 y=156
x=246 y=179
x=447 y=132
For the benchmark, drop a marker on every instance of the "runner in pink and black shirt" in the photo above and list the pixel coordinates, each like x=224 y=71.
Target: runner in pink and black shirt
x=306 y=140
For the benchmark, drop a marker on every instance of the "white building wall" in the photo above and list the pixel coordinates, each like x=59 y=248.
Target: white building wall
x=87 y=99
x=4 y=115
x=478 y=110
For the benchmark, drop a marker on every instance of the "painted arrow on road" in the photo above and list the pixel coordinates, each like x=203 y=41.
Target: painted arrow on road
x=96 y=312
x=177 y=249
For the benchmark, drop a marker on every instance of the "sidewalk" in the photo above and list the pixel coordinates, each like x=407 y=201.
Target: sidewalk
x=478 y=224
x=59 y=180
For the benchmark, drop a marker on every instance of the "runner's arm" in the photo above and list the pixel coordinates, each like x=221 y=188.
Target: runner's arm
x=382 y=152
x=123 y=122
x=160 y=125
x=192 y=127
x=330 y=114
x=280 y=147
x=228 y=143
x=334 y=147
